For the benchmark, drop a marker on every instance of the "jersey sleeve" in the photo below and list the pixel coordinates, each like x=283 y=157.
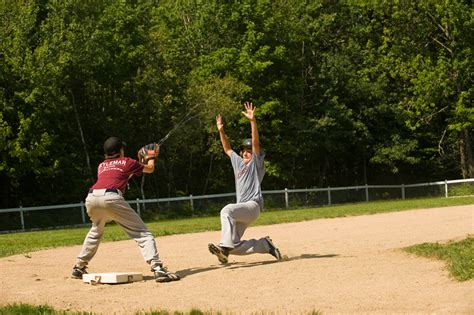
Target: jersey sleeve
x=259 y=158
x=236 y=161
x=134 y=167
x=260 y=164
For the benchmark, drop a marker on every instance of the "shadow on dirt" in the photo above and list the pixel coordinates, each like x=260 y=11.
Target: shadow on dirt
x=310 y=256
x=236 y=265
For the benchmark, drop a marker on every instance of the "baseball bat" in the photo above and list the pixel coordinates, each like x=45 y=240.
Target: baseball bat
x=183 y=120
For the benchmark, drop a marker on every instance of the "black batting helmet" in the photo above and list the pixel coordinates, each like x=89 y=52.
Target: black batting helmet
x=246 y=144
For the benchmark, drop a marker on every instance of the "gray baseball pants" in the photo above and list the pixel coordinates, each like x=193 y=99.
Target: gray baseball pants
x=109 y=206
x=235 y=218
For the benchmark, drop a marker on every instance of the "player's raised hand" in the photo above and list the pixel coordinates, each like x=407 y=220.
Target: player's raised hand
x=220 y=125
x=249 y=111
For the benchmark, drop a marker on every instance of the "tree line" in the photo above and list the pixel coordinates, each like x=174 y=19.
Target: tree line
x=347 y=92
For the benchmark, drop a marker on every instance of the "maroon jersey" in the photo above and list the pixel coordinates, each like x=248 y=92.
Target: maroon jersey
x=115 y=173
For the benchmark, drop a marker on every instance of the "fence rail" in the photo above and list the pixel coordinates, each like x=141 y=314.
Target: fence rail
x=289 y=197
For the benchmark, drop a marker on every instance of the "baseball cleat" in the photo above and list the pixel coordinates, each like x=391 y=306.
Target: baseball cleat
x=77 y=272
x=222 y=255
x=274 y=251
x=163 y=275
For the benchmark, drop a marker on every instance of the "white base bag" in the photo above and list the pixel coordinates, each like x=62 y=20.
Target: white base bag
x=112 y=277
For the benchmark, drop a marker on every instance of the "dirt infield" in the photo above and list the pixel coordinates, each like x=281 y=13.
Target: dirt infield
x=343 y=265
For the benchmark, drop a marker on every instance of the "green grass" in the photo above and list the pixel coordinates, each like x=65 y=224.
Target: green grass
x=25 y=309
x=28 y=309
x=459 y=256
x=25 y=242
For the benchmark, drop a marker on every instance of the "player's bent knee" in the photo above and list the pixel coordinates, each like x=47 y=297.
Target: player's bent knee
x=226 y=211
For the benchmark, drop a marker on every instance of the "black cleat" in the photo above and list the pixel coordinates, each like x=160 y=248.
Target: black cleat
x=221 y=254
x=77 y=272
x=163 y=275
x=274 y=251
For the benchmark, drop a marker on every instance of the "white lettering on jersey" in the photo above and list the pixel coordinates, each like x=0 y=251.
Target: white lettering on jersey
x=111 y=165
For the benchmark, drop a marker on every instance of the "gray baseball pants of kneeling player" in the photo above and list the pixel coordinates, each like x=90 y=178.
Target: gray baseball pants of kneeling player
x=105 y=206
x=235 y=218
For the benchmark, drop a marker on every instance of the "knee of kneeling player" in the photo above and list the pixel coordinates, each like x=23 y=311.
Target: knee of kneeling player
x=225 y=212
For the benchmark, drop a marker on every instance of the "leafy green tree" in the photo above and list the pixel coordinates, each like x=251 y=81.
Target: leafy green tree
x=25 y=143
x=428 y=51
x=347 y=92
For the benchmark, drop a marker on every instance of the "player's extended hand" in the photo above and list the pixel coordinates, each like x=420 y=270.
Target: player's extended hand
x=148 y=152
x=249 y=111
x=220 y=125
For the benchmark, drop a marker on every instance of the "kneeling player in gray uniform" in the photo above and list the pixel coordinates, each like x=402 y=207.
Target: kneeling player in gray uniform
x=236 y=217
x=105 y=203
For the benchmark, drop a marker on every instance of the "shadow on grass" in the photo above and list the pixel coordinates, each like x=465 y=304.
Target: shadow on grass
x=236 y=265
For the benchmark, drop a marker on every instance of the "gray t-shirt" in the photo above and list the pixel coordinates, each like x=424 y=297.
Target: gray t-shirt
x=248 y=177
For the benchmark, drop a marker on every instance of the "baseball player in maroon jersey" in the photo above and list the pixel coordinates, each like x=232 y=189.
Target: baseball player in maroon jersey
x=236 y=217
x=105 y=203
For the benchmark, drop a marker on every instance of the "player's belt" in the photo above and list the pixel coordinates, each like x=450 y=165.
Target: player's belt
x=114 y=190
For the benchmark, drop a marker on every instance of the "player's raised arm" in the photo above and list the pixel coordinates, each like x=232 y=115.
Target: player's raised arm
x=223 y=136
x=250 y=114
x=236 y=217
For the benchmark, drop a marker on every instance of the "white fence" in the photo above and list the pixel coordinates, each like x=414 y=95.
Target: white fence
x=274 y=199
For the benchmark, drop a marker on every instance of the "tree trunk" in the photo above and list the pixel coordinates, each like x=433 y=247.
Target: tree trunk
x=467 y=155
x=208 y=175
x=83 y=140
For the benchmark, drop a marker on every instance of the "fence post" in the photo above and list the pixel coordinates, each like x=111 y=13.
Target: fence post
x=82 y=213
x=286 y=198
x=191 y=202
x=329 y=195
x=138 y=207
x=446 y=188
x=22 y=219
x=403 y=191
x=366 y=193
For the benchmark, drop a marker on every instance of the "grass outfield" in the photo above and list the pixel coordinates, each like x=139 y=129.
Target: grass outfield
x=459 y=256
x=25 y=242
